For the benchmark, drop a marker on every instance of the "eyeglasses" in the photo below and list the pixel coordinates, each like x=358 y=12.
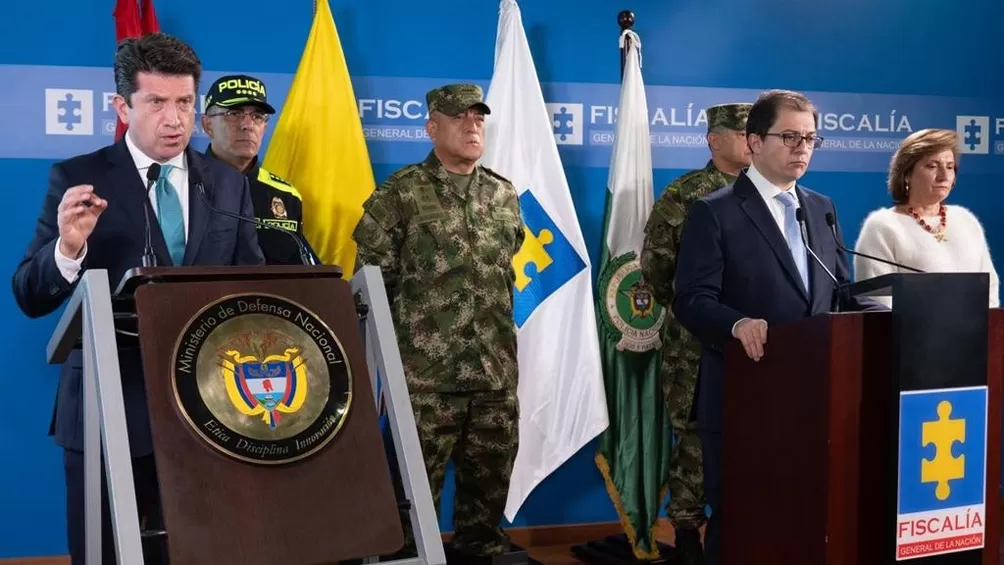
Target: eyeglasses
x=237 y=116
x=793 y=140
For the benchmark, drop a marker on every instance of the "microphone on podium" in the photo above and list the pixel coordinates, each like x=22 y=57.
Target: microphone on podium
x=305 y=255
x=838 y=289
x=800 y=216
x=152 y=174
x=832 y=223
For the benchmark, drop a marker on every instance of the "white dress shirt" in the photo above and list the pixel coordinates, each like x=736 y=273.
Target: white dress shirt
x=70 y=268
x=768 y=191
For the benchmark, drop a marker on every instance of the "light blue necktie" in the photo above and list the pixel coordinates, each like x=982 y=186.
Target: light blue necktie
x=794 y=236
x=172 y=223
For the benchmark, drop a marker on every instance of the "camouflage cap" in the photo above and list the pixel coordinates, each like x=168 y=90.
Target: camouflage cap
x=728 y=116
x=454 y=99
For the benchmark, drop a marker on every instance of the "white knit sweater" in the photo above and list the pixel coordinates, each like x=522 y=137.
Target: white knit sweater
x=898 y=237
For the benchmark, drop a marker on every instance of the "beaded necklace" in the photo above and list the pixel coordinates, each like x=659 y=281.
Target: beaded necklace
x=939 y=232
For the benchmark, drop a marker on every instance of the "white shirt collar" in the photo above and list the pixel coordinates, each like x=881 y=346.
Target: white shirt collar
x=767 y=189
x=143 y=161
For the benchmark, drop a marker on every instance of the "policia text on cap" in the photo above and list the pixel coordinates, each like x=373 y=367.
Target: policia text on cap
x=237 y=112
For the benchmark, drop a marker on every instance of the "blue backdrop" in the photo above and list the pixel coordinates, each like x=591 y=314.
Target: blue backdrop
x=878 y=69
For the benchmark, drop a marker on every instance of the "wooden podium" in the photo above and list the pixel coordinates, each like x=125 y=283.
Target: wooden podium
x=265 y=430
x=832 y=452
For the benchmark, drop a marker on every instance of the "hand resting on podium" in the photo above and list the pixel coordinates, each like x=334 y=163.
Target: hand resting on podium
x=752 y=333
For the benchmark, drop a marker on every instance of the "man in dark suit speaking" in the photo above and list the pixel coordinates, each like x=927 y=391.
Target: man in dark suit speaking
x=94 y=217
x=744 y=265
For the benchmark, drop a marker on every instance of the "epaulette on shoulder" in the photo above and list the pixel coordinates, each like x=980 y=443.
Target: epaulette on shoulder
x=277 y=182
x=404 y=172
x=690 y=176
x=494 y=174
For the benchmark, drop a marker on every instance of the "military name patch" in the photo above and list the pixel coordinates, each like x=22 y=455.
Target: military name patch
x=261 y=379
x=630 y=314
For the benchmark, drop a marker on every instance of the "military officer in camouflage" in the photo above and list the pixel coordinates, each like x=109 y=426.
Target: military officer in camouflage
x=444 y=232
x=681 y=351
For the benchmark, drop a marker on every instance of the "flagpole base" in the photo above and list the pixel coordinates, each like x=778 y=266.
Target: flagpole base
x=616 y=550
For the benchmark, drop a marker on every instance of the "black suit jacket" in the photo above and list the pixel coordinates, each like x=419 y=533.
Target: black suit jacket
x=117 y=245
x=735 y=263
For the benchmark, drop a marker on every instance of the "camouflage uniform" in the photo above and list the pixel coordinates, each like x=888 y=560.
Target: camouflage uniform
x=445 y=246
x=681 y=350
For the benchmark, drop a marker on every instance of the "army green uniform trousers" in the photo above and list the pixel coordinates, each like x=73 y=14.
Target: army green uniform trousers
x=686 y=471
x=479 y=431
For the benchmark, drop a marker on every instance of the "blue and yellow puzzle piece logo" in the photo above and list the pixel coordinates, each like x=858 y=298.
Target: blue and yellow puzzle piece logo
x=544 y=263
x=942 y=449
x=943 y=433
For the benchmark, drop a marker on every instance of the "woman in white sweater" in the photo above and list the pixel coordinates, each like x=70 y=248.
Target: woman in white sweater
x=920 y=230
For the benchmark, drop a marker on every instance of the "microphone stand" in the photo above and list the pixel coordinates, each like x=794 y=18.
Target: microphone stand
x=305 y=256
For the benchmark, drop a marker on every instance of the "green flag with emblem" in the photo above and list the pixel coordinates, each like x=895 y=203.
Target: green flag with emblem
x=634 y=452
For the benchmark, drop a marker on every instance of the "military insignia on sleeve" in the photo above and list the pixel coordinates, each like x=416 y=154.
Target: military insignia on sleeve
x=261 y=379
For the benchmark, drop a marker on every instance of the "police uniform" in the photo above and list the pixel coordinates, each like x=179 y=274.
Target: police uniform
x=276 y=202
x=444 y=243
x=681 y=350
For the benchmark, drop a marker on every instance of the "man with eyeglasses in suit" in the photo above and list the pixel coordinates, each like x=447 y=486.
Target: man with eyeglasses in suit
x=744 y=266
x=237 y=113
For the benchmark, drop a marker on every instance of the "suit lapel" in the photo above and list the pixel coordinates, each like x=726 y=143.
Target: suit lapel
x=130 y=191
x=198 y=211
x=756 y=209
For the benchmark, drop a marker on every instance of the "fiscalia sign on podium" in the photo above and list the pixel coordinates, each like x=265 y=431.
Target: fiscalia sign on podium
x=942 y=472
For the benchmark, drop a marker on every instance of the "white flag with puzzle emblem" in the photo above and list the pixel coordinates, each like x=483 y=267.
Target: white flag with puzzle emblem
x=561 y=399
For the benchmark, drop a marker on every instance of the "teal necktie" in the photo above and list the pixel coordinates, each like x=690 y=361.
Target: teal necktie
x=172 y=223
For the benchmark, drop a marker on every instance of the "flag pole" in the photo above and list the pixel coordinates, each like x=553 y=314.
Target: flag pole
x=616 y=548
x=625 y=20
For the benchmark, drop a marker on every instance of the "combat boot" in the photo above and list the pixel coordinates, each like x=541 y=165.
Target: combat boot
x=689 y=550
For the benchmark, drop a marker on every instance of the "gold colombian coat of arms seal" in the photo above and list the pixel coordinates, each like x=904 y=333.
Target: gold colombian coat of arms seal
x=261 y=379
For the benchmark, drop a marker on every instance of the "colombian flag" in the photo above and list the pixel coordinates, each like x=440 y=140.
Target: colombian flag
x=318 y=145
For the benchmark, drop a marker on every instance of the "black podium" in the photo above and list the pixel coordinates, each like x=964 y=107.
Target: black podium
x=870 y=437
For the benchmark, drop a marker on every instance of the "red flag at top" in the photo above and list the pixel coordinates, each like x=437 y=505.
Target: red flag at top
x=149 y=22
x=129 y=23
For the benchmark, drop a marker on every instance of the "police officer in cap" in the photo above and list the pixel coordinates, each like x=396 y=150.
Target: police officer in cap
x=237 y=112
